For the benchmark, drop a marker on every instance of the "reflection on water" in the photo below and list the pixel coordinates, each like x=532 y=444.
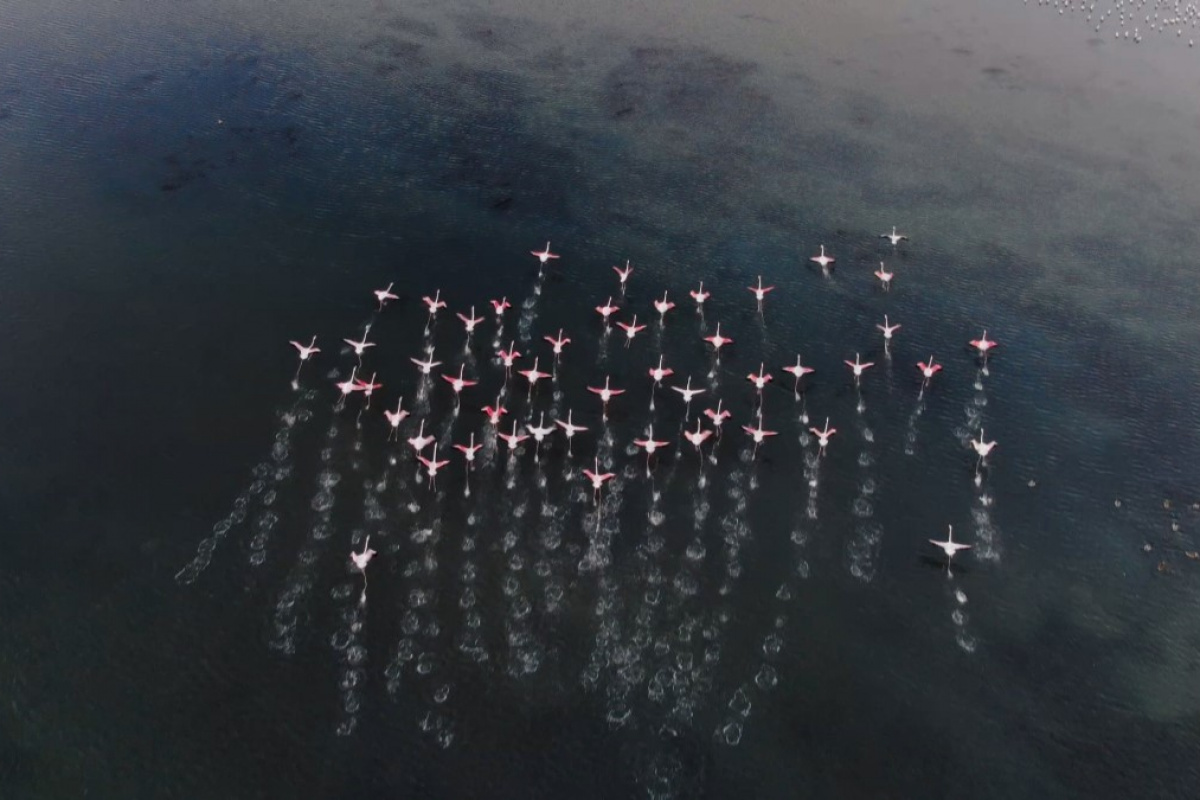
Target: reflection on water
x=181 y=200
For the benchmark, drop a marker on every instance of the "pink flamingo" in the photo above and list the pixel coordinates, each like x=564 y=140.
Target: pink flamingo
x=760 y=292
x=347 y=387
x=718 y=341
x=607 y=393
x=698 y=436
x=306 y=352
x=544 y=255
x=513 y=439
x=649 y=445
x=823 y=435
x=717 y=417
x=631 y=329
x=662 y=307
x=981 y=447
x=384 y=295
x=893 y=237
x=420 y=441
x=469 y=450
x=699 y=295
x=360 y=347
x=432 y=465
x=759 y=434
x=624 y=274
x=799 y=371
x=540 y=432
x=598 y=480
x=885 y=277
x=394 y=418
x=688 y=393
x=433 y=304
x=533 y=376
x=360 y=561
x=500 y=306
x=508 y=357
x=558 y=344
x=858 y=366
x=494 y=413
x=570 y=429
x=368 y=388
x=471 y=321
x=949 y=546
x=426 y=366
x=887 y=329
x=929 y=369
x=823 y=260
x=761 y=379
x=459 y=383
x=660 y=372
x=607 y=310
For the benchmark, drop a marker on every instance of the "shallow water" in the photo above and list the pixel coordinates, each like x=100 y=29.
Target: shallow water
x=186 y=190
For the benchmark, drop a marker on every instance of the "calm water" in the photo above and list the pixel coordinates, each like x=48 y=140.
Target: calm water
x=186 y=187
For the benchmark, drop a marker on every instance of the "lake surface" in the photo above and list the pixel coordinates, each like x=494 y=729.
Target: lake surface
x=188 y=186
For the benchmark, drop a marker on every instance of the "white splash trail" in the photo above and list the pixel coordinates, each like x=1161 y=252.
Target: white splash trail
x=268 y=476
x=299 y=582
x=910 y=436
x=986 y=533
x=348 y=642
x=862 y=550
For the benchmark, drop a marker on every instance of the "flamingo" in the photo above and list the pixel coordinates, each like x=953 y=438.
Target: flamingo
x=426 y=366
x=420 y=441
x=494 y=413
x=360 y=347
x=799 y=371
x=558 y=343
x=306 y=352
x=544 y=255
x=760 y=292
x=887 y=329
x=982 y=345
x=598 y=479
x=858 y=366
x=470 y=321
x=929 y=369
x=508 y=357
x=623 y=274
x=823 y=260
x=688 y=393
x=394 y=418
x=432 y=465
x=823 y=435
x=607 y=393
x=384 y=295
x=893 y=237
x=717 y=340
x=717 y=417
x=698 y=436
x=513 y=439
x=533 y=376
x=885 y=277
x=459 y=383
x=347 y=387
x=360 y=561
x=368 y=388
x=649 y=445
x=500 y=306
x=469 y=450
x=434 y=303
x=699 y=295
x=761 y=379
x=983 y=448
x=949 y=547
x=759 y=434
x=631 y=329
x=540 y=432
x=607 y=310
x=660 y=372
x=662 y=307
x=570 y=429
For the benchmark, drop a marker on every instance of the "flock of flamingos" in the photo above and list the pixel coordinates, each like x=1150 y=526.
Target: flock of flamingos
x=425 y=446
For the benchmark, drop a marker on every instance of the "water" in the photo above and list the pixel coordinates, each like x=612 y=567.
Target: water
x=183 y=194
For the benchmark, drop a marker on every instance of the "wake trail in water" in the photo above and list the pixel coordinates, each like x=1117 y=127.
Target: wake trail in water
x=347 y=642
x=987 y=534
x=911 y=431
x=268 y=476
x=862 y=550
x=299 y=582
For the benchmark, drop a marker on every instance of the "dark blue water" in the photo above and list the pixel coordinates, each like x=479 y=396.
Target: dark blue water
x=186 y=188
